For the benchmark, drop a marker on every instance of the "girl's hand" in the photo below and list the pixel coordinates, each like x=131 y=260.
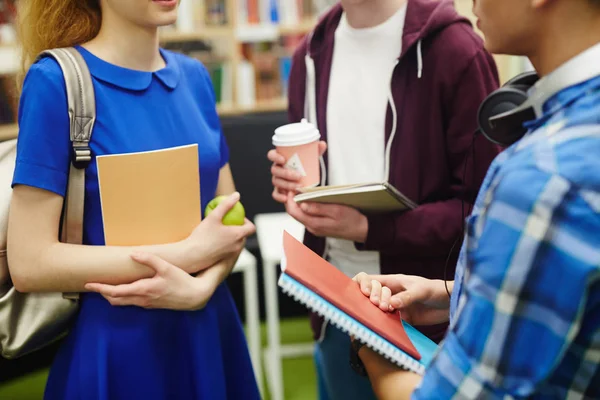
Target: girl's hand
x=285 y=181
x=212 y=241
x=170 y=288
x=420 y=301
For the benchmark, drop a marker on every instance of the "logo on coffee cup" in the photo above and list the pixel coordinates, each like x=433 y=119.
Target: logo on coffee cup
x=294 y=163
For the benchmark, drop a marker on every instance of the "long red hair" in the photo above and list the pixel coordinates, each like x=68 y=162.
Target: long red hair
x=46 y=24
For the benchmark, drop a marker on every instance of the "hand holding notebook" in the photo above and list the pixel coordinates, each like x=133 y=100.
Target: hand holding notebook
x=153 y=197
x=321 y=287
x=420 y=301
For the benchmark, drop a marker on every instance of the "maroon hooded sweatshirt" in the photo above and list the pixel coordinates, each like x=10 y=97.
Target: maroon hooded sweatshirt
x=435 y=157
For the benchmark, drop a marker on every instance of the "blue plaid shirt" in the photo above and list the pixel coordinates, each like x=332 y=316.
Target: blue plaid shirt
x=526 y=318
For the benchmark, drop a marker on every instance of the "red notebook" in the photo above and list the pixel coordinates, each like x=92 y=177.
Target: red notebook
x=326 y=282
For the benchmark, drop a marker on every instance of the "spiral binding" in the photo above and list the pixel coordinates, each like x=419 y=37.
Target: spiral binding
x=348 y=324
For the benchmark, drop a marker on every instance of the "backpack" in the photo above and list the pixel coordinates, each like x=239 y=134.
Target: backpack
x=31 y=321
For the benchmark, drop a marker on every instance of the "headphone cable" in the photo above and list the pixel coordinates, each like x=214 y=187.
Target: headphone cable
x=462 y=209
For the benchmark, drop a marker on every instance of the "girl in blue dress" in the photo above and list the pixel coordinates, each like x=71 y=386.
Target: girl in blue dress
x=155 y=322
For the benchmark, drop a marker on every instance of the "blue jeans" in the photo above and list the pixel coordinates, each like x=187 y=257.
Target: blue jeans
x=335 y=378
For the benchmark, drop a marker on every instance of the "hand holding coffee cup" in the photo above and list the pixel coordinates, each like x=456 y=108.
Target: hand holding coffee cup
x=295 y=158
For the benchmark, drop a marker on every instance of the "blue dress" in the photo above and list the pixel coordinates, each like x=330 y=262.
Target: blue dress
x=130 y=352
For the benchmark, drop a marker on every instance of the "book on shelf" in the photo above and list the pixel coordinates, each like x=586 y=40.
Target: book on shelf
x=218 y=67
x=215 y=13
x=287 y=12
x=149 y=197
x=322 y=288
x=377 y=197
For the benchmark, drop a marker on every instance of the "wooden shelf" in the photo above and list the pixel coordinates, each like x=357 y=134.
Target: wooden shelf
x=302 y=28
x=243 y=33
x=8 y=131
x=275 y=105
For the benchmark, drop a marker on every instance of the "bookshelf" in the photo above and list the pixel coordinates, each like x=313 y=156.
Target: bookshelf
x=245 y=44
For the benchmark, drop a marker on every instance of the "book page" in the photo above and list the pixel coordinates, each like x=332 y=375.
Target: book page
x=334 y=188
x=149 y=197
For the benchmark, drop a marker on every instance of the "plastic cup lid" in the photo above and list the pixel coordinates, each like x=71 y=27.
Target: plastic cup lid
x=296 y=134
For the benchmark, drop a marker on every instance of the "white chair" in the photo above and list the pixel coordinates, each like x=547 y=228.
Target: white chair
x=269 y=231
x=246 y=265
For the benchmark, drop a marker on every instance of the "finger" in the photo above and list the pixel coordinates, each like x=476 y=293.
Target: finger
x=139 y=287
x=315 y=225
x=384 y=302
x=138 y=301
x=276 y=157
x=317 y=210
x=375 y=292
x=153 y=261
x=224 y=206
x=334 y=211
x=322 y=147
x=359 y=277
x=248 y=228
x=285 y=173
x=402 y=300
x=294 y=210
x=364 y=281
x=279 y=196
x=285 y=184
x=396 y=282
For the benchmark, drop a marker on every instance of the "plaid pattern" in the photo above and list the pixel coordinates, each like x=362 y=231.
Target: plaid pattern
x=527 y=320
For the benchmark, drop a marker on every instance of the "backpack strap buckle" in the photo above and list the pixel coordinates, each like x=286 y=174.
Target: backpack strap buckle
x=81 y=155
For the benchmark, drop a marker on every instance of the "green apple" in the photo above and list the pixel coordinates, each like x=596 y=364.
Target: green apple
x=235 y=216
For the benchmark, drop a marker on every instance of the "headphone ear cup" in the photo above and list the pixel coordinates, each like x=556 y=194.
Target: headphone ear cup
x=509 y=129
x=499 y=102
x=525 y=79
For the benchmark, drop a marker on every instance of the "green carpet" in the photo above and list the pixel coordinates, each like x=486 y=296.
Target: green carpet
x=298 y=374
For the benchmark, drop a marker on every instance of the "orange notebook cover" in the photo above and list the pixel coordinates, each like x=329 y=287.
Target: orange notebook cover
x=322 y=278
x=149 y=197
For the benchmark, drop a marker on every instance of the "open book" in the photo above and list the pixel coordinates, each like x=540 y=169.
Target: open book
x=149 y=197
x=322 y=288
x=368 y=198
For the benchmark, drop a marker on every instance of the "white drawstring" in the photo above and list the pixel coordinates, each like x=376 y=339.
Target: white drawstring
x=393 y=131
x=419 y=60
x=310 y=105
x=310 y=101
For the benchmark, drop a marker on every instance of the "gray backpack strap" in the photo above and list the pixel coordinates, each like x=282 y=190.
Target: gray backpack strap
x=82 y=116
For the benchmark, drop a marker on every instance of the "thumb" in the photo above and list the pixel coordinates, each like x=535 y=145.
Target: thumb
x=403 y=300
x=224 y=206
x=151 y=260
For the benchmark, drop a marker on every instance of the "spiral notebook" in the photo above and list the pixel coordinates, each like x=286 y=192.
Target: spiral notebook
x=322 y=288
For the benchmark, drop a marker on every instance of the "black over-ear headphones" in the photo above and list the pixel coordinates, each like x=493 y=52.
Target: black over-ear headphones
x=500 y=118
x=504 y=112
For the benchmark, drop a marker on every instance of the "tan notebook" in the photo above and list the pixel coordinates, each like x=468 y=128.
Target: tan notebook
x=149 y=197
x=368 y=198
